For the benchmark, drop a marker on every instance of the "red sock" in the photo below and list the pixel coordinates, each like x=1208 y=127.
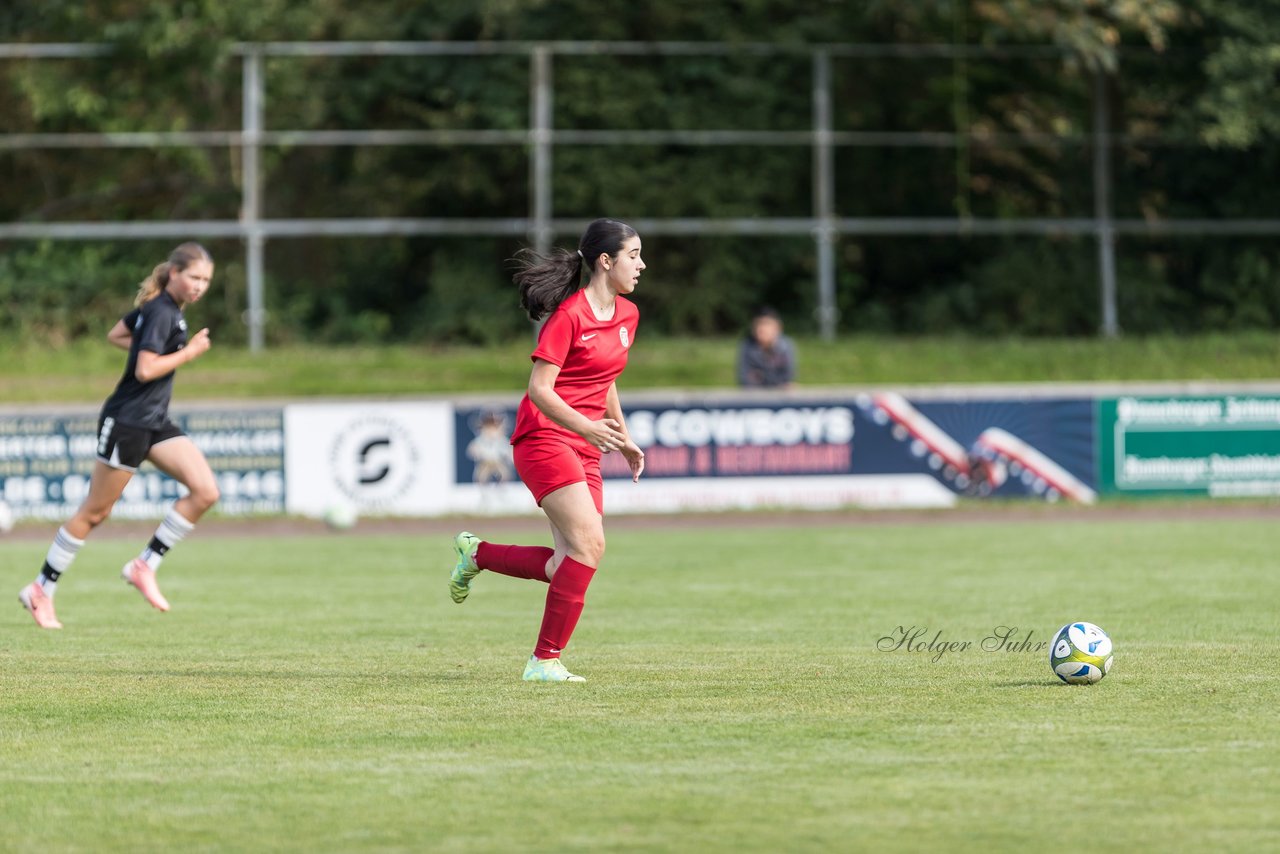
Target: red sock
x=516 y=561
x=565 y=598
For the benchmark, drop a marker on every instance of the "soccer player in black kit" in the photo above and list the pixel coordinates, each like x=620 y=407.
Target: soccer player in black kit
x=135 y=426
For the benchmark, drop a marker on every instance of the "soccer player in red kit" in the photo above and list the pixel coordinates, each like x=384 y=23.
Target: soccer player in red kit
x=569 y=418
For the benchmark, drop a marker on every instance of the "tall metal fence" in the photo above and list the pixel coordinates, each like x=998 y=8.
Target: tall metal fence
x=540 y=138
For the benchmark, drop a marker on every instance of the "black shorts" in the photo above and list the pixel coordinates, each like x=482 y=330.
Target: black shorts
x=124 y=446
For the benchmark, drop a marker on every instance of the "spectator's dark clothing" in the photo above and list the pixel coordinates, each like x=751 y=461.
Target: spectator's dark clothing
x=758 y=367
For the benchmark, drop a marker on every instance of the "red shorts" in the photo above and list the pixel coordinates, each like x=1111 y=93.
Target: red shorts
x=546 y=465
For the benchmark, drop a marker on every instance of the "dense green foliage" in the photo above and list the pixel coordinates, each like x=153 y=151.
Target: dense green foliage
x=736 y=700
x=1190 y=85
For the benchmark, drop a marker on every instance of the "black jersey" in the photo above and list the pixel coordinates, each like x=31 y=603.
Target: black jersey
x=158 y=327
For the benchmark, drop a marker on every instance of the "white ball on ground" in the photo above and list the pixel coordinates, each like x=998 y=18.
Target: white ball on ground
x=340 y=516
x=1081 y=653
x=6 y=518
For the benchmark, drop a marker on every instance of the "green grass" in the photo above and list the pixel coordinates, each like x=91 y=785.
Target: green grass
x=86 y=371
x=322 y=693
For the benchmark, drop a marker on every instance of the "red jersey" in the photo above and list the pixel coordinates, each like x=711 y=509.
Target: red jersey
x=590 y=354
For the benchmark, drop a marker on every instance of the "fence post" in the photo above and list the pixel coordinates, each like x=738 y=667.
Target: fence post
x=1103 y=225
x=251 y=195
x=540 y=148
x=824 y=234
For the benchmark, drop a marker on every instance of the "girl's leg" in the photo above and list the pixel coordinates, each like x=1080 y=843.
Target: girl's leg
x=539 y=464
x=105 y=486
x=474 y=554
x=532 y=562
x=182 y=460
x=561 y=550
x=578 y=529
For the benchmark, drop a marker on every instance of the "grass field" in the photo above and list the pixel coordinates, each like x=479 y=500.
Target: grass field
x=86 y=371
x=322 y=693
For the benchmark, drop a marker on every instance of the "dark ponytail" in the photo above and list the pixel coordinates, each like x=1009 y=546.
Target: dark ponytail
x=546 y=281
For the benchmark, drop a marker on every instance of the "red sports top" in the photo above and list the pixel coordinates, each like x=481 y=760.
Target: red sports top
x=590 y=353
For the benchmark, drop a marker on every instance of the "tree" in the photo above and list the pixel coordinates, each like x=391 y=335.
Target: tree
x=175 y=66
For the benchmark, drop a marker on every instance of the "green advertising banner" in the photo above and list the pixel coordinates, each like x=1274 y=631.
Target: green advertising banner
x=1226 y=446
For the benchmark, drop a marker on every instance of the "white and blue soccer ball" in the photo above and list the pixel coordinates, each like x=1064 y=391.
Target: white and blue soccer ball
x=1080 y=653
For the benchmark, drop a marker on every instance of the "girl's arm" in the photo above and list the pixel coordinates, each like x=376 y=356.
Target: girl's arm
x=629 y=449
x=613 y=409
x=603 y=434
x=152 y=366
x=120 y=335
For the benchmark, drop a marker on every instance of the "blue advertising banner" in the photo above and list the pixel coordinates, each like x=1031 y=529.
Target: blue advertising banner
x=746 y=441
x=46 y=462
x=1038 y=448
x=685 y=441
x=1041 y=448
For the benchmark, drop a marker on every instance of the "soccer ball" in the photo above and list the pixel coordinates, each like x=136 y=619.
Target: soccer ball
x=340 y=516
x=1080 y=653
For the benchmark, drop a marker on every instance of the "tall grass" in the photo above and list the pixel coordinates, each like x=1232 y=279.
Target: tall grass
x=86 y=371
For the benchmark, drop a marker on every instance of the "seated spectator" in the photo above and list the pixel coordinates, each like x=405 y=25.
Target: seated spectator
x=767 y=358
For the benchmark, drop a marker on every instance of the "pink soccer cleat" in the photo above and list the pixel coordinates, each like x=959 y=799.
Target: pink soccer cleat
x=34 y=599
x=143 y=577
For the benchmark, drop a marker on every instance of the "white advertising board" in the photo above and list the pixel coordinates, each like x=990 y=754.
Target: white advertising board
x=381 y=459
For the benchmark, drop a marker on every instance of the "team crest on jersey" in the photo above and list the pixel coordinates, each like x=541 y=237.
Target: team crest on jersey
x=624 y=336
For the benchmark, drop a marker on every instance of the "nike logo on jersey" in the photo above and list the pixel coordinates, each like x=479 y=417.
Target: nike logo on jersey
x=588 y=337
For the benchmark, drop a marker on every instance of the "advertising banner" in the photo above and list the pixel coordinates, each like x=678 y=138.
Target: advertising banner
x=874 y=450
x=1040 y=448
x=46 y=462
x=703 y=458
x=381 y=459
x=1221 y=446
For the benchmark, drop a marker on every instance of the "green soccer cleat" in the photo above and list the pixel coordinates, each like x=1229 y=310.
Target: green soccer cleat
x=464 y=546
x=548 y=670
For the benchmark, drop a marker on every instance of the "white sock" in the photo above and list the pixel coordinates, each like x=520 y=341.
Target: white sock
x=171 y=531
x=61 y=553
